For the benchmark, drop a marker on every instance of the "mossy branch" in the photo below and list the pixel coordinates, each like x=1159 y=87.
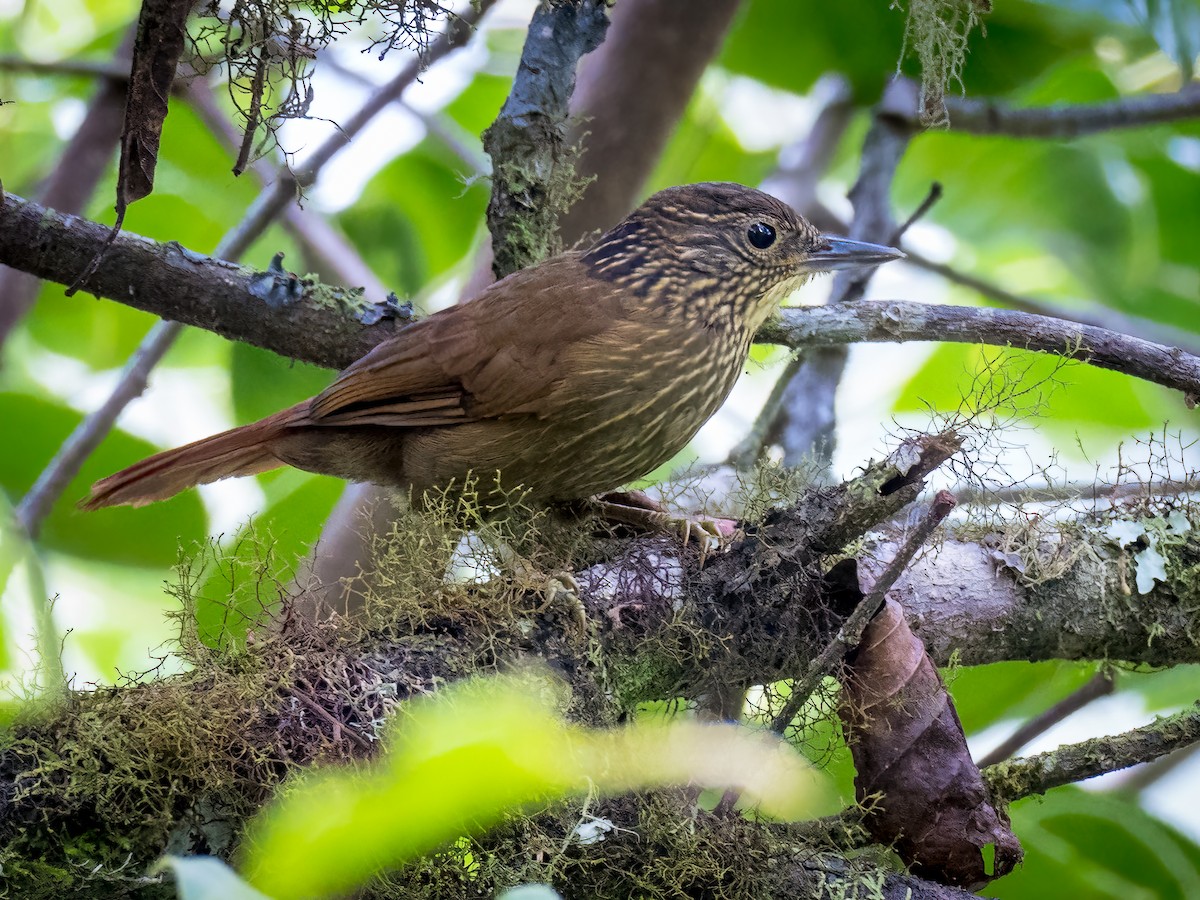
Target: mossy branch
x=1070 y=763
x=533 y=165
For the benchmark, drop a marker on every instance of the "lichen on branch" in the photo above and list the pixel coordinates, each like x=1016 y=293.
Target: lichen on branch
x=533 y=165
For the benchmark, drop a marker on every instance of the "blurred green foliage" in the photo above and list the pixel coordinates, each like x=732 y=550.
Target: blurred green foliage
x=1107 y=222
x=456 y=761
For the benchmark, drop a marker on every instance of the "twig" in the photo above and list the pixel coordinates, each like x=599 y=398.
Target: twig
x=852 y=628
x=264 y=210
x=1050 y=493
x=1019 y=778
x=1100 y=685
x=109 y=70
x=887 y=321
x=934 y=195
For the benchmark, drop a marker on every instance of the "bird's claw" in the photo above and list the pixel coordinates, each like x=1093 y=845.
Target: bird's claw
x=562 y=590
x=710 y=534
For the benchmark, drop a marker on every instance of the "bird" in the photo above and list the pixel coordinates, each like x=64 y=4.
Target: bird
x=565 y=380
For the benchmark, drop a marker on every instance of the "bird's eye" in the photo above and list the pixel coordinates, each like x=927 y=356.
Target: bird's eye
x=761 y=235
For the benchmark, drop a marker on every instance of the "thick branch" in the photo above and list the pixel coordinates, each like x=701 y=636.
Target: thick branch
x=173 y=282
x=896 y=321
x=532 y=169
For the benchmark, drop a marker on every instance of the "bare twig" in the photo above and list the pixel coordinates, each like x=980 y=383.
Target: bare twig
x=1075 y=762
x=268 y=205
x=1099 y=685
x=884 y=321
x=934 y=195
x=1071 y=120
x=852 y=628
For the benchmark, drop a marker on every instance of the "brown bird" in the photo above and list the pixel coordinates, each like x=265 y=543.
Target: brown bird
x=569 y=378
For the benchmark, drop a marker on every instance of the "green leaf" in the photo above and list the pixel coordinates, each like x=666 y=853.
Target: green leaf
x=208 y=878
x=791 y=43
x=457 y=761
x=984 y=695
x=479 y=104
x=264 y=382
x=149 y=536
x=417 y=218
x=246 y=573
x=1085 y=844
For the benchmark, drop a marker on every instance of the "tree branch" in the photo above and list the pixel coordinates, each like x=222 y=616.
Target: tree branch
x=274 y=288
x=888 y=321
x=1068 y=120
x=533 y=172
x=1076 y=762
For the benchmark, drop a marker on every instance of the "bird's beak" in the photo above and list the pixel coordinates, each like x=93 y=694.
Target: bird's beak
x=843 y=253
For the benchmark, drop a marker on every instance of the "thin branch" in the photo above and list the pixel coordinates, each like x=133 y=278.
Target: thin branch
x=1075 y=762
x=850 y=633
x=1099 y=685
x=1062 y=120
x=108 y=70
x=888 y=321
x=264 y=210
x=1094 y=313
x=1071 y=120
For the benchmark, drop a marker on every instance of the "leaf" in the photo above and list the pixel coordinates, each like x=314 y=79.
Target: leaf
x=792 y=43
x=457 y=761
x=910 y=751
x=144 y=537
x=1086 y=844
x=207 y=878
x=160 y=41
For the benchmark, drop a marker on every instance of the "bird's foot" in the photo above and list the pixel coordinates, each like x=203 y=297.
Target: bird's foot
x=635 y=509
x=562 y=590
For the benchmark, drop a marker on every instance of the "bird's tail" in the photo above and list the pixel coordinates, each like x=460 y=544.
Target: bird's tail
x=241 y=451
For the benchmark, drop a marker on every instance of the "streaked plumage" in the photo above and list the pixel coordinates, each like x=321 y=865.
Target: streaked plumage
x=570 y=378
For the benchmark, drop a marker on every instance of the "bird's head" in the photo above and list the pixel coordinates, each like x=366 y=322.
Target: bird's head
x=721 y=253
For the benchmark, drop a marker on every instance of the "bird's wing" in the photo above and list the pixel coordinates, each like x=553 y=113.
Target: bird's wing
x=499 y=354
